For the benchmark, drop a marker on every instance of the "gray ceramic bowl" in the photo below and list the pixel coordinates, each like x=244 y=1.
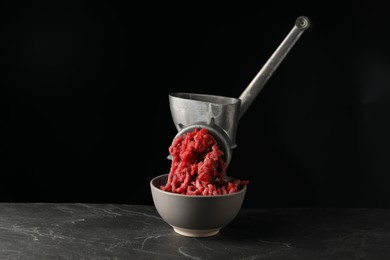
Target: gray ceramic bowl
x=195 y=216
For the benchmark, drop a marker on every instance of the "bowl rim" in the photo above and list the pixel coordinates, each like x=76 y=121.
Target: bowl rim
x=239 y=192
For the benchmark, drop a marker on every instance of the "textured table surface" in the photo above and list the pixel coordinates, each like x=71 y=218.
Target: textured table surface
x=112 y=231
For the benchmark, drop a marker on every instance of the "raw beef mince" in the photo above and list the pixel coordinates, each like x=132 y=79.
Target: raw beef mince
x=197 y=166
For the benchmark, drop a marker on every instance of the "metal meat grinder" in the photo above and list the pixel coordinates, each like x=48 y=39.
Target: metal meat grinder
x=219 y=114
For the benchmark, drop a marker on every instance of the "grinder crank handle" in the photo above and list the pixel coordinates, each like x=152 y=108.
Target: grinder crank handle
x=258 y=82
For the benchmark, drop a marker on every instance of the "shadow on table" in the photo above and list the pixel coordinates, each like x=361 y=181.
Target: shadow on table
x=264 y=224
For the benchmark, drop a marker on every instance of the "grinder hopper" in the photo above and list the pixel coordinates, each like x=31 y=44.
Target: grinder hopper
x=220 y=114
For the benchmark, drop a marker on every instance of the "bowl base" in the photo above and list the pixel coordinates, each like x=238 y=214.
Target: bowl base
x=196 y=232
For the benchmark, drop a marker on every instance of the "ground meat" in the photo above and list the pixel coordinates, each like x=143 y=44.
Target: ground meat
x=198 y=167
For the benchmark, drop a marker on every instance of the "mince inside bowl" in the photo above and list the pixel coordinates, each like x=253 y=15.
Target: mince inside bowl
x=195 y=215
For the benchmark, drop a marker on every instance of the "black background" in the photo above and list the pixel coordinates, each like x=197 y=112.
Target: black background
x=84 y=113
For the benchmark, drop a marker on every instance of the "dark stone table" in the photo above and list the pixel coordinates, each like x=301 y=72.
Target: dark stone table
x=111 y=231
